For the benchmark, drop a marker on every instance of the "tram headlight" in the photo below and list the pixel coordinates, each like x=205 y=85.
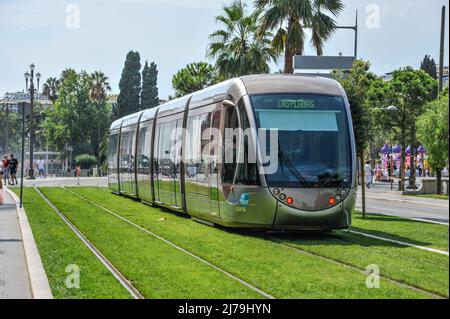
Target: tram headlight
x=332 y=201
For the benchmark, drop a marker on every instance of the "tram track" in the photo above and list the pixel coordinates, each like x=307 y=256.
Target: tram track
x=200 y=259
x=135 y=293
x=350 y=266
x=271 y=238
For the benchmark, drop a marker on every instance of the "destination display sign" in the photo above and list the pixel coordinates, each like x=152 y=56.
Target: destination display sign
x=296 y=104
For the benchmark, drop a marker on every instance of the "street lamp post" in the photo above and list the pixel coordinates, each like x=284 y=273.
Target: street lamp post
x=32 y=89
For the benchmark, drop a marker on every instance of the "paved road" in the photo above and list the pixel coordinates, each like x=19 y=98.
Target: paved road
x=380 y=199
x=67 y=181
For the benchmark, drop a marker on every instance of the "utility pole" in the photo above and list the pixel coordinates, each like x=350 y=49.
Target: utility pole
x=23 y=155
x=354 y=28
x=32 y=90
x=441 y=51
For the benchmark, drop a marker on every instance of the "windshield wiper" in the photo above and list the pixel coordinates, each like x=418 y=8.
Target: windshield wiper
x=292 y=168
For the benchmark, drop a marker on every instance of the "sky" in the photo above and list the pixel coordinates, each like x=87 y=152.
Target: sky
x=97 y=34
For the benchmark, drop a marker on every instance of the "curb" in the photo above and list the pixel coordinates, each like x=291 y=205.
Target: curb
x=407 y=201
x=40 y=288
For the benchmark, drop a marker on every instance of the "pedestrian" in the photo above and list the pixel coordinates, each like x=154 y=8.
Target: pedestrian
x=5 y=164
x=368 y=174
x=1 y=188
x=78 y=173
x=379 y=172
x=41 y=167
x=13 y=163
x=420 y=168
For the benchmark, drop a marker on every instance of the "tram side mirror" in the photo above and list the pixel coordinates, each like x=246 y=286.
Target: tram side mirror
x=228 y=103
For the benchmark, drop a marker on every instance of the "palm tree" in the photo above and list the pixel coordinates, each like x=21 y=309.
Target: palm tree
x=239 y=48
x=50 y=89
x=290 y=18
x=99 y=88
x=66 y=72
x=194 y=77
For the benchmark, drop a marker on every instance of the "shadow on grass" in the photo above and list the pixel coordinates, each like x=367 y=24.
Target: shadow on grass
x=312 y=238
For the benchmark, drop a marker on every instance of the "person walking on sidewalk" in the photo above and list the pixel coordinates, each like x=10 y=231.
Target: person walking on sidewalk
x=78 y=173
x=368 y=174
x=13 y=163
x=5 y=164
x=41 y=167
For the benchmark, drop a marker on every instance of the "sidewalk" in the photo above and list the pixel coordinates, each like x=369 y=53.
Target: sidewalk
x=383 y=192
x=14 y=279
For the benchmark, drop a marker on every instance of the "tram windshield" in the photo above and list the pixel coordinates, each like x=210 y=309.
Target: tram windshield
x=314 y=147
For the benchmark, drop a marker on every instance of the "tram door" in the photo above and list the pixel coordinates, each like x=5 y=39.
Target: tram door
x=202 y=164
x=166 y=172
x=126 y=160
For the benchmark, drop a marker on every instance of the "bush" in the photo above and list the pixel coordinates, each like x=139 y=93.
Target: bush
x=86 y=161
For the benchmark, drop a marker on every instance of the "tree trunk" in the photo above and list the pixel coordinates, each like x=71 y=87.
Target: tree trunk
x=438 y=182
x=402 y=166
x=363 y=184
x=412 y=162
x=288 y=52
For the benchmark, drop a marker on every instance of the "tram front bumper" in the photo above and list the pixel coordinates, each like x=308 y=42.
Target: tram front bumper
x=336 y=217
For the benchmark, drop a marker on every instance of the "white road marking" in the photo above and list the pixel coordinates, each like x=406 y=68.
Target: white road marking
x=406 y=201
x=399 y=242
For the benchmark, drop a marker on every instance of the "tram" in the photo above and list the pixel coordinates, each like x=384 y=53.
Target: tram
x=167 y=156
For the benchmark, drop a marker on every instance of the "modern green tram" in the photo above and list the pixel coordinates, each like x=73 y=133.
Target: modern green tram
x=163 y=156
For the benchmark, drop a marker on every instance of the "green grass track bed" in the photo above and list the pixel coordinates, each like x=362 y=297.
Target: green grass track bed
x=59 y=247
x=274 y=268
x=405 y=230
x=155 y=268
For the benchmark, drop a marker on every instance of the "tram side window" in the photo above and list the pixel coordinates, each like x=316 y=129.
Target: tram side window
x=124 y=155
x=205 y=160
x=144 y=147
x=229 y=147
x=112 y=152
x=247 y=173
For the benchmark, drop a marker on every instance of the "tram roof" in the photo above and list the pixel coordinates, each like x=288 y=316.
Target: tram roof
x=290 y=83
x=234 y=89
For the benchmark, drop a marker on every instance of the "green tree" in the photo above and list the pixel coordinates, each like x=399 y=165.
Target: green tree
x=86 y=161
x=194 y=77
x=433 y=132
x=240 y=48
x=409 y=90
x=429 y=66
x=77 y=112
x=50 y=88
x=149 y=94
x=130 y=85
x=357 y=84
x=290 y=18
x=413 y=89
x=10 y=128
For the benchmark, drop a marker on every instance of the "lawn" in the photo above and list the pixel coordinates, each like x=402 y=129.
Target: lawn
x=155 y=268
x=268 y=265
x=59 y=247
x=406 y=230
